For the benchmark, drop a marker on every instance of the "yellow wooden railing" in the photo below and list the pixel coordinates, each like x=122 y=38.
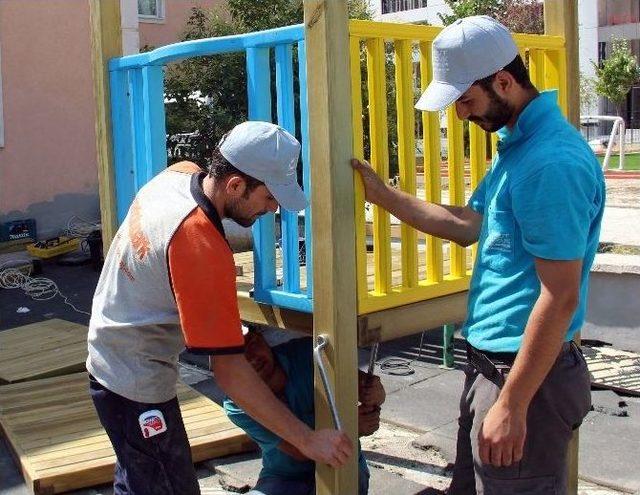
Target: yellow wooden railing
x=445 y=266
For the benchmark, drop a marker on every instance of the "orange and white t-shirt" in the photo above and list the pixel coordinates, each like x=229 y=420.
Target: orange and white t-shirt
x=168 y=281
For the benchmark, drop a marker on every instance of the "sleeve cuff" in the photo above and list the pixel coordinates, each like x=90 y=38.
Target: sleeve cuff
x=554 y=255
x=216 y=351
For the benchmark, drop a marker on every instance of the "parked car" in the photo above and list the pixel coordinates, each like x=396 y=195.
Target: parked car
x=599 y=144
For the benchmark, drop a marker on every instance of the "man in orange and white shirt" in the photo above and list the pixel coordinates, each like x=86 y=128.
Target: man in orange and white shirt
x=168 y=282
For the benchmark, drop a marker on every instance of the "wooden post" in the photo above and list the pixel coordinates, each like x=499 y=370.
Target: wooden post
x=106 y=42
x=332 y=196
x=561 y=19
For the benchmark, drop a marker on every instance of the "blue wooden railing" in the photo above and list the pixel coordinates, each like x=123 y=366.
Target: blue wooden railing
x=139 y=140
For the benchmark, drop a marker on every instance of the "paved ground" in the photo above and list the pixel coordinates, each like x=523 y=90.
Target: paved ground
x=618 y=226
x=413 y=451
x=623 y=193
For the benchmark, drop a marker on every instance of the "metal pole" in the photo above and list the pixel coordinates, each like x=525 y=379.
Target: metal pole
x=623 y=133
x=373 y=357
x=321 y=343
x=447 y=346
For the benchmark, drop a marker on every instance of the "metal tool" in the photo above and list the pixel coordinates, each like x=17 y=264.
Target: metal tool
x=321 y=342
x=373 y=358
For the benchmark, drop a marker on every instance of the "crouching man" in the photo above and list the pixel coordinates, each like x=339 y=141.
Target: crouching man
x=288 y=371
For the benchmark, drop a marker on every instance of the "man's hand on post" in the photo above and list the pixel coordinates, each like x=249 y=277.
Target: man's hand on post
x=327 y=446
x=374 y=187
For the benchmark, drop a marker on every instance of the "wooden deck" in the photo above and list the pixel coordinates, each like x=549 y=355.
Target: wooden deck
x=47 y=348
x=614 y=369
x=59 y=444
x=379 y=326
x=244 y=262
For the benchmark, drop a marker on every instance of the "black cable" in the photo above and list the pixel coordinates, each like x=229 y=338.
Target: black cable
x=400 y=366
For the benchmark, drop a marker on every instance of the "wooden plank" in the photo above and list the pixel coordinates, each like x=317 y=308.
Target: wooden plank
x=536 y=68
x=425 y=292
x=286 y=119
x=410 y=319
x=432 y=180
x=245 y=261
x=61 y=447
x=106 y=42
x=39 y=350
x=614 y=369
x=478 y=162
x=378 y=137
x=406 y=153
x=358 y=152
x=273 y=316
x=265 y=314
x=413 y=32
x=455 y=153
x=561 y=19
x=334 y=286
x=259 y=102
x=306 y=163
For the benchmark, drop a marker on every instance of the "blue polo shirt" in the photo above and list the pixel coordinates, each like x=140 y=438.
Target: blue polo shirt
x=543 y=198
x=296 y=359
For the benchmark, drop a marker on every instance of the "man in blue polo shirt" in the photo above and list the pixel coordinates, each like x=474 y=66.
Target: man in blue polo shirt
x=536 y=217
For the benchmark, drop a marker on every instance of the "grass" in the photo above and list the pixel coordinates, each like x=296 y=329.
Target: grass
x=631 y=161
x=609 y=247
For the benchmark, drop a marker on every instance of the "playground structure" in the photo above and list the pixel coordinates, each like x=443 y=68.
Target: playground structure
x=619 y=128
x=354 y=298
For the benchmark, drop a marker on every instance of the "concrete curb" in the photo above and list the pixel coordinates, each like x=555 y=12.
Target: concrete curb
x=616 y=263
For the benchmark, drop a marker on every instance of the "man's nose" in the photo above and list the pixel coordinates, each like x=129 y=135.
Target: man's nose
x=272 y=206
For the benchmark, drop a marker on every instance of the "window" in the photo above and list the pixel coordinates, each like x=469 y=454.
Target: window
x=1 y=117
x=614 y=12
x=389 y=6
x=602 y=51
x=151 y=9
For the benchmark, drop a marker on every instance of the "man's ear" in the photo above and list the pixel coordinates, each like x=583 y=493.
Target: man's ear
x=235 y=186
x=503 y=83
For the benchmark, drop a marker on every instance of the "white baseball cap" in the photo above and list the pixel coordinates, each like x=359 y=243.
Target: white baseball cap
x=470 y=49
x=268 y=153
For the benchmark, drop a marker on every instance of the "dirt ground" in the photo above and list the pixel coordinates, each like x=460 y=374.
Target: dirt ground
x=623 y=193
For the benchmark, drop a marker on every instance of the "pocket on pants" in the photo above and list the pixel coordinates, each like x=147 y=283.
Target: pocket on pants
x=540 y=485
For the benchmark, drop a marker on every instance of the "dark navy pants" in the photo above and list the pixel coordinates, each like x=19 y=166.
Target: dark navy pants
x=157 y=465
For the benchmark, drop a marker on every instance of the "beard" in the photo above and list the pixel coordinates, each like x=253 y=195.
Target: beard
x=235 y=212
x=232 y=212
x=497 y=116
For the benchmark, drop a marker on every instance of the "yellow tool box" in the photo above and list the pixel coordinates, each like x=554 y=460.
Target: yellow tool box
x=53 y=247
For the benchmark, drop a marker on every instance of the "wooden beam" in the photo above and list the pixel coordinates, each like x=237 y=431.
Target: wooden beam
x=332 y=196
x=273 y=316
x=406 y=320
x=106 y=42
x=561 y=19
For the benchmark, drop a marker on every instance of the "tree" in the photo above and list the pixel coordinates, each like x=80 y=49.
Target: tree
x=523 y=16
x=466 y=8
x=207 y=95
x=587 y=93
x=520 y=16
x=617 y=74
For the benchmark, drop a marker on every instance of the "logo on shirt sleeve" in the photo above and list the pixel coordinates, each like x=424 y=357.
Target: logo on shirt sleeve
x=152 y=423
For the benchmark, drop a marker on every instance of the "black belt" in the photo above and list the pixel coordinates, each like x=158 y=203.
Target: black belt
x=492 y=364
